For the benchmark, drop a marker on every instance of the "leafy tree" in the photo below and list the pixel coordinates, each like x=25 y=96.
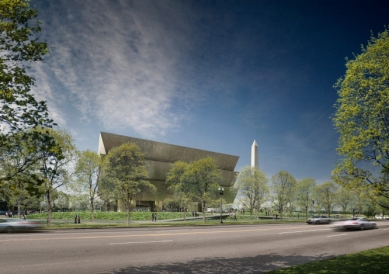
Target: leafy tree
x=251 y=188
x=326 y=196
x=195 y=181
x=203 y=178
x=344 y=199
x=19 y=47
x=61 y=200
x=56 y=169
x=283 y=187
x=362 y=118
x=178 y=185
x=304 y=193
x=127 y=170
x=89 y=172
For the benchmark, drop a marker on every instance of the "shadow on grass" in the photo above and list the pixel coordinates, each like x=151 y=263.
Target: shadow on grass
x=369 y=261
x=257 y=264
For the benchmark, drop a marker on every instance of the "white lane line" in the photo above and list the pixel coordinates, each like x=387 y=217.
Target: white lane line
x=148 y=242
x=303 y=231
x=386 y=229
x=336 y=235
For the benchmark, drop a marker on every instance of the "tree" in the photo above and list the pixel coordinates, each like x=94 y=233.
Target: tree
x=56 y=169
x=252 y=189
x=19 y=112
x=362 y=118
x=127 y=170
x=61 y=200
x=304 y=193
x=203 y=178
x=326 y=196
x=89 y=172
x=283 y=187
x=178 y=185
x=344 y=199
x=195 y=181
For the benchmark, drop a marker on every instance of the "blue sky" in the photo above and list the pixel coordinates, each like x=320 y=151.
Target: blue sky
x=212 y=75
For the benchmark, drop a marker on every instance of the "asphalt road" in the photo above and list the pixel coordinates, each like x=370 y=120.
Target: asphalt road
x=214 y=249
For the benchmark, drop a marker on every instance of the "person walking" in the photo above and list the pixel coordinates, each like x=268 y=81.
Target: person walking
x=75 y=218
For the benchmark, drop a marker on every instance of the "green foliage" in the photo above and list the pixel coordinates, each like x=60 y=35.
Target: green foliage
x=89 y=172
x=325 y=196
x=283 y=187
x=362 y=118
x=109 y=215
x=304 y=193
x=20 y=146
x=128 y=174
x=251 y=187
x=56 y=168
x=195 y=181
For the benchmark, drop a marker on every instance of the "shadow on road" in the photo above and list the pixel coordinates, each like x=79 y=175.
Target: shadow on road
x=258 y=264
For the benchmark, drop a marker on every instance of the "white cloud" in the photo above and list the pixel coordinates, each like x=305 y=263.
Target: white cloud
x=115 y=63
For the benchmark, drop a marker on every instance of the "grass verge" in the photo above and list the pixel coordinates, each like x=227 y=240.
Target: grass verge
x=368 y=261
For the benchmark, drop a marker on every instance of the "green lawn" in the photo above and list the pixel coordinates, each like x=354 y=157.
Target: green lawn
x=369 y=261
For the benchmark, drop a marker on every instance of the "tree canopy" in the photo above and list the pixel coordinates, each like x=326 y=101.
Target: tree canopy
x=362 y=118
x=196 y=181
x=128 y=174
x=283 y=188
x=252 y=189
x=19 y=111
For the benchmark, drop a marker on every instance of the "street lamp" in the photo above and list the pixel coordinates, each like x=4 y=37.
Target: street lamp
x=221 y=192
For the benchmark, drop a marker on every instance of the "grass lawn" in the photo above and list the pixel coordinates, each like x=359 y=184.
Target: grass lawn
x=369 y=261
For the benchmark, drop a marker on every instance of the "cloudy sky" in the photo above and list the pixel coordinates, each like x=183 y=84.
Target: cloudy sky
x=212 y=75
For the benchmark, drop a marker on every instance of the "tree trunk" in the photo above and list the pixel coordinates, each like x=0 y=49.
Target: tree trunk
x=306 y=212
x=49 y=207
x=184 y=213
x=203 y=205
x=92 y=204
x=127 y=215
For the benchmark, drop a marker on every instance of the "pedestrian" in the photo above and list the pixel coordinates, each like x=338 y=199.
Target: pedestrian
x=75 y=218
x=79 y=220
x=6 y=214
x=24 y=216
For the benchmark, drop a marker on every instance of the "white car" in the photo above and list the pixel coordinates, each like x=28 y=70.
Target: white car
x=319 y=220
x=355 y=223
x=13 y=225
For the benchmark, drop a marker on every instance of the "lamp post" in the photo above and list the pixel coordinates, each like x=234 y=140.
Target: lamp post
x=221 y=192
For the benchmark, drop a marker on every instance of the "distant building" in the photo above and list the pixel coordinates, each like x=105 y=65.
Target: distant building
x=159 y=157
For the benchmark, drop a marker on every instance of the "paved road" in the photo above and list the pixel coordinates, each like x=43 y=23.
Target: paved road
x=219 y=249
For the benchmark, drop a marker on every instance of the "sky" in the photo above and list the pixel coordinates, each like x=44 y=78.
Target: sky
x=211 y=75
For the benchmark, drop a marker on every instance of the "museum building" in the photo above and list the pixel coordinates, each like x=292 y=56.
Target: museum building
x=159 y=157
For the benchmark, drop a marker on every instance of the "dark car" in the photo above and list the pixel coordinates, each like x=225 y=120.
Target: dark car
x=14 y=225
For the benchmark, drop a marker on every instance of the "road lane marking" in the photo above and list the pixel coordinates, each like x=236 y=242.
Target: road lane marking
x=148 y=242
x=386 y=229
x=336 y=235
x=146 y=235
x=291 y=232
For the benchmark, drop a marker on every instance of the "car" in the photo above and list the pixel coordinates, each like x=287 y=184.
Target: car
x=319 y=220
x=355 y=223
x=16 y=225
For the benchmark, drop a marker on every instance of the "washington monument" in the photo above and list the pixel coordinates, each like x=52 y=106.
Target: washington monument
x=254 y=155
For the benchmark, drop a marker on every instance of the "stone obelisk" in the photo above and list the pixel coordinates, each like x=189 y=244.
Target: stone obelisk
x=254 y=155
